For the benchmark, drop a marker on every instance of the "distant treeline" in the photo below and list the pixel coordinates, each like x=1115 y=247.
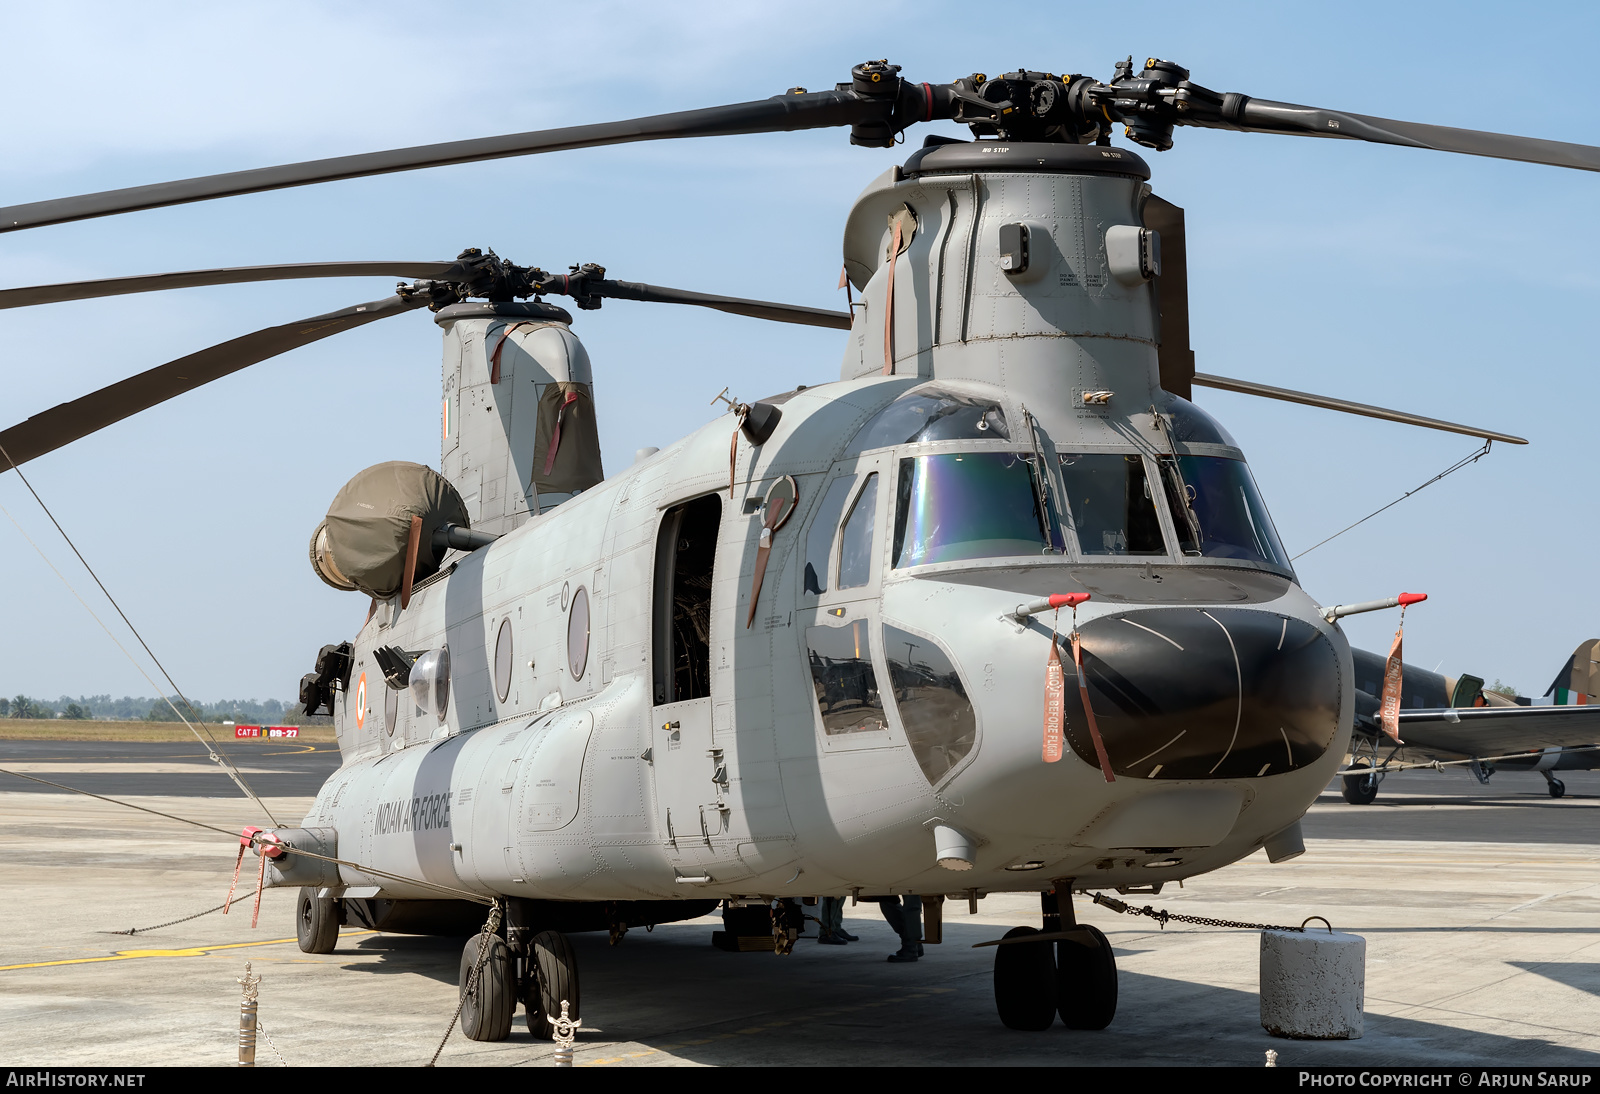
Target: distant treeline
x=143 y=709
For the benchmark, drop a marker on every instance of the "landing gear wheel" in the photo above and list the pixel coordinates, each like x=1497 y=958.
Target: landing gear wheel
x=316 y=921
x=1086 y=980
x=487 y=1012
x=552 y=977
x=1557 y=788
x=1360 y=789
x=1025 y=982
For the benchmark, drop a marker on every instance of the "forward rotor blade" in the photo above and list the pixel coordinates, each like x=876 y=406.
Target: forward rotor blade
x=784 y=113
x=229 y=275
x=1249 y=387
x=63 y=424
x=1266 y=116
x=756 y=309
x=1175 y=359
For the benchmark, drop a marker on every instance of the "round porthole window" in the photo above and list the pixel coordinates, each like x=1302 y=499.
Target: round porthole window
x=578 y=633
x=391 y=709
x=502 y=660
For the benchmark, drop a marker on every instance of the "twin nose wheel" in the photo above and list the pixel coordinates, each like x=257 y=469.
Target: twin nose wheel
x=1075 y=976
x=542 y=974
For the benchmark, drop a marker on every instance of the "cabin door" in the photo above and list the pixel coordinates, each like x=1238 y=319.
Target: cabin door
x=684 y=766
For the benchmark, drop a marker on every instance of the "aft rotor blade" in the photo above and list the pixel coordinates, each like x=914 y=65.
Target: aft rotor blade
x=1250 y=387
x=61 y=425
x=780 y=114
x=229 y=275
x=757 y=309
x=1175 y=359
x=1266 y=116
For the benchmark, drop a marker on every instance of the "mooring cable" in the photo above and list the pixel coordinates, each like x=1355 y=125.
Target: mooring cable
x=212 y=747
x=1457 y=466
x=255 y=838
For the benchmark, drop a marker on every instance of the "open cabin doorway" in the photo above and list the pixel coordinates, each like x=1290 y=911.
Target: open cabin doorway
x=681 y=757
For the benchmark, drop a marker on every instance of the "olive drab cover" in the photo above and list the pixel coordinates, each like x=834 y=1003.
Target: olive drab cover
x=567 y=444
x=370 y=520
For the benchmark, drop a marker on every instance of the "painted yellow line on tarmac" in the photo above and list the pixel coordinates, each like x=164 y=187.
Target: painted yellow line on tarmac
x=191 y=951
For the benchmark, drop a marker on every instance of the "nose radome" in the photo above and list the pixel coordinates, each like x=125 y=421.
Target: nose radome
x=1205 y=693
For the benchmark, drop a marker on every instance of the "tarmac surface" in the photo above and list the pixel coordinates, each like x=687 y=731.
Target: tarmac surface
x=1480 y=906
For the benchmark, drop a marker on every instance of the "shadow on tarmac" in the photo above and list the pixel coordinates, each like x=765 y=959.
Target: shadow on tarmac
x=672 y=992
x=1583 y=975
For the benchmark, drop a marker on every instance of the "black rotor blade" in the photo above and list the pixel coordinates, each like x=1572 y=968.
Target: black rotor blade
x=1266 y=116
x=228 y=275
x=63 y=424
x=783 y=113
x=756 y=309
x=1175 y=359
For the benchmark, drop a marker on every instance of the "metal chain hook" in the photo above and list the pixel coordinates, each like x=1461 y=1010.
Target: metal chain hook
x=490 y=927
x=1162 y=916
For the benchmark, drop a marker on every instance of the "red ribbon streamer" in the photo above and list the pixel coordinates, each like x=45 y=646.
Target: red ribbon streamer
x=1055 y=703
x=555 y=434
x=888 y=307
x=1393 y=673
x=1088 y=711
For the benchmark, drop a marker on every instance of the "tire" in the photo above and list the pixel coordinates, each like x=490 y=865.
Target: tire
x=486 y=1014
x=316 y=921
x=552 y=977
x=1557 y=788
x=1086 y=980
x=1359 y=789
x=1025 y=983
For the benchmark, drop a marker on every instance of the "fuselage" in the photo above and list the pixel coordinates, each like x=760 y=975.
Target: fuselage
x=621 y=724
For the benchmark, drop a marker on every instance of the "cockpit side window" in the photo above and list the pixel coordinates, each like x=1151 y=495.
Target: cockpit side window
x=938 y=717
x=1218 y=511
x=855 y=545
x=1113 y=510
x=823 y=530
x=845 y=682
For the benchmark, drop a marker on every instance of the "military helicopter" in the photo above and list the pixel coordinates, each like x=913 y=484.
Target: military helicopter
x=827 y=643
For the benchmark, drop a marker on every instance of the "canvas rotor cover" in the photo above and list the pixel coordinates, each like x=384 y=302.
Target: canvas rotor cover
x=566 y=423
x=365 y=534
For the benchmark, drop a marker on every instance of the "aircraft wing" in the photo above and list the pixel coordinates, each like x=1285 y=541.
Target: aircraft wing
x=1494 y=731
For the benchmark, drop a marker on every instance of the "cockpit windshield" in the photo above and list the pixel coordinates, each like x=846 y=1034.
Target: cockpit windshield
x=1217 y=510
x=930 y=413
x=965 y=505
x=1113 y=512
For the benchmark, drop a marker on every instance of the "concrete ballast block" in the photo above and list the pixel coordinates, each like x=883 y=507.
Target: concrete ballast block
x=1313 y=984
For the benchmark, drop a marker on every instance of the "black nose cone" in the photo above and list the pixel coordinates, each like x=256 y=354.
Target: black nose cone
x=1213 y=693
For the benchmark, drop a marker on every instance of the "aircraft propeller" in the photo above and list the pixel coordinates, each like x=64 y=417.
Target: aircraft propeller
x=878 y=105
x=473 y=274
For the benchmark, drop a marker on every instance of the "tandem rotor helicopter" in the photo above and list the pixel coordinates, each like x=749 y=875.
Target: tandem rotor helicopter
x=998 y=610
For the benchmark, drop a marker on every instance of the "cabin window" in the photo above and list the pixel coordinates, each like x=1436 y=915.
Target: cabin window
x=1110 y=498
x=578 y=633
x=502 y=660
x=965 y=505
x=855 y=545
x=391 y=710
x=1217 y=510
x=938 y=717
x=823 y=531
x=686 y=548
x=842 y=674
